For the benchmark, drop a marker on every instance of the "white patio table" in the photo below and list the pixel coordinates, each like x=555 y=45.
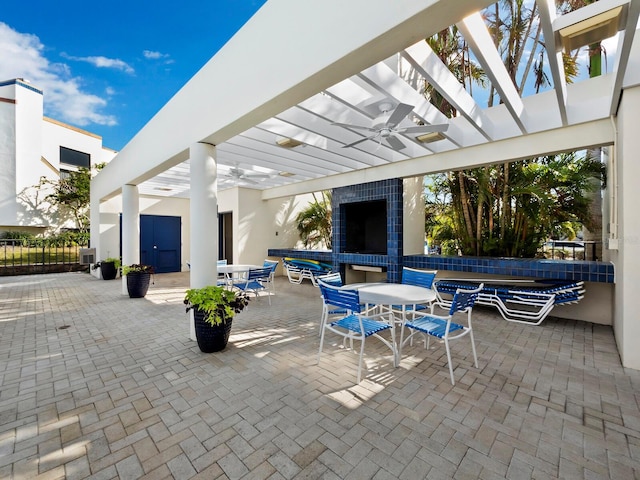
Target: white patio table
x=233 y=272
x=390 y=295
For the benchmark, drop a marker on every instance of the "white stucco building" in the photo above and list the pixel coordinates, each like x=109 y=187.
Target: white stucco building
x=32 y=147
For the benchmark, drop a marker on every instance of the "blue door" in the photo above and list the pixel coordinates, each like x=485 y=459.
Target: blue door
x=160 y=242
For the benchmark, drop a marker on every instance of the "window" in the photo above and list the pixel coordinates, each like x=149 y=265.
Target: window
x=64 y=174
x=74 y=157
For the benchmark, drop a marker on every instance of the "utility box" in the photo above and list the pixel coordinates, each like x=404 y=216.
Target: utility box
x=87 y=256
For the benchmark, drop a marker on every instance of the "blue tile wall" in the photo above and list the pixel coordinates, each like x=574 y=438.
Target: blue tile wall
x=389 y=190
x=575 y=270
x=587 y=271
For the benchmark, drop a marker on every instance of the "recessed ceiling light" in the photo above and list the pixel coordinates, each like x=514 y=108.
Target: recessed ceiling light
x=286 y=174
x=430 y=137
x=286 y=142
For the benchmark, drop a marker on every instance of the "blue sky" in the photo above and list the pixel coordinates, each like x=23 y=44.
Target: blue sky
x=109 y=68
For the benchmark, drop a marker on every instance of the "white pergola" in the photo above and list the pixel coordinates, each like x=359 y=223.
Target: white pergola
x=297 y=67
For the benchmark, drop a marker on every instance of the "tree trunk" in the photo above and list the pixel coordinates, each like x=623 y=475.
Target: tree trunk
x=464 y=200
x=594 y=234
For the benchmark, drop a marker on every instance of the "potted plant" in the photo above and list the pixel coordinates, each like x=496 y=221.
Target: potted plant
x=213 y=310
x=138 y=279
x=108 y=268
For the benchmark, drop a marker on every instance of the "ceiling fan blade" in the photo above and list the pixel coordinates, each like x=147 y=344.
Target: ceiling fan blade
x=395 y=143
x=255 y=175
x=401 y=111
x=360 y=127
x=247 y=180
x=425 y=128
x=360 y=141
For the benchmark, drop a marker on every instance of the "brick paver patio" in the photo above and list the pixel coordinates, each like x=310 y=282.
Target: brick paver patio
x=96 y=385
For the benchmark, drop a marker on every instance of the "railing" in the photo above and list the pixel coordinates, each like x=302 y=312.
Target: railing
x=18 y=257
x=568 y=250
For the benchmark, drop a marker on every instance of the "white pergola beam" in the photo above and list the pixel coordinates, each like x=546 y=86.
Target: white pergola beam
x=547 y=9
x=477 y=35
x=384 y=79
x=562 y=139
x=422 y=58
x=624 y=49
x=214 y=105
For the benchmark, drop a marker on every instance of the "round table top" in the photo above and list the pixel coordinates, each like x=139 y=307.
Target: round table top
x=392 y=293
x=236 y=268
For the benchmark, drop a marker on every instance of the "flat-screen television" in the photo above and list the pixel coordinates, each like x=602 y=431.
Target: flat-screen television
x=365 y=227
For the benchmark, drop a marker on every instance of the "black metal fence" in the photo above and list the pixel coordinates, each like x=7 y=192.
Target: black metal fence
x=571 y=250
x=20 y=257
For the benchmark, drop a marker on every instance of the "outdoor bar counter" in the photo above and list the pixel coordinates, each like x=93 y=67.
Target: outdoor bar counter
x=573 y=270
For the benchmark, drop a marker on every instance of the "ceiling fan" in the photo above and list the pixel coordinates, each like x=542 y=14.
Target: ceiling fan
x=242 y=175
x=387 y=125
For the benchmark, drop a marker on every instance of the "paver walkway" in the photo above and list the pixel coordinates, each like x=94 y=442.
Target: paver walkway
x=96 y=385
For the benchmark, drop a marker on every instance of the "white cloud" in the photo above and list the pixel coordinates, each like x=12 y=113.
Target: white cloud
x=103 y=62
x=64 y=98
x=152 y=55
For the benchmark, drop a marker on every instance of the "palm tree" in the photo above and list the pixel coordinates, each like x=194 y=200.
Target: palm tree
x=491 y=206
x=547 y=196
x=314 y=222
x=594 y=232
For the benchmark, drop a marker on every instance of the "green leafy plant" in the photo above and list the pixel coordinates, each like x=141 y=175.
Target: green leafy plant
x=218 y=303
x=137 y=268
x=114 y=260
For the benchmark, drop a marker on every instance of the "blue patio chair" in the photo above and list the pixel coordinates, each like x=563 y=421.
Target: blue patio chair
x=272 y=264
x=223 y=279
x=419 y=278
x=257 y=280
x=335 y=280
x=442 y=327
x=353 y=325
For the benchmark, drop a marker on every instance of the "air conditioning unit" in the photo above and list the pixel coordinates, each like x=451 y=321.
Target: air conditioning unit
x=87 y=256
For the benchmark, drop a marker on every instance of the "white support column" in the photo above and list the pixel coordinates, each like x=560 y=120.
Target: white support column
x=130 y=228
x=627 y=258
x=94 y=218
x=203 y=218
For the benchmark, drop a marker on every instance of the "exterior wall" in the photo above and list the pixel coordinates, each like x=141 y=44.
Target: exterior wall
x=29 y=168
x=413 y=228
x=258 y=224
x=56 y=134
x=8 y=211
x=176 y=207
x=627 y=258
x=21 y=125
x=110 y=222
x=29 y=150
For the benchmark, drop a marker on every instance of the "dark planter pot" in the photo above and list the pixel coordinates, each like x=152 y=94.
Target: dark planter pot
x=108 y=270
x=138 y=284
x=211 y=338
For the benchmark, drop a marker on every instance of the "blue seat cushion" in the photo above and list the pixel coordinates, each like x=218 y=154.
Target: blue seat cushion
x=352 y=323
x=433 y=326
x=252 y=285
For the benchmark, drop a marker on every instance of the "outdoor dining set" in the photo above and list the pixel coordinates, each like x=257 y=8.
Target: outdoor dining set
x=398 y=313
x=358 y=311
x=251 y=279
